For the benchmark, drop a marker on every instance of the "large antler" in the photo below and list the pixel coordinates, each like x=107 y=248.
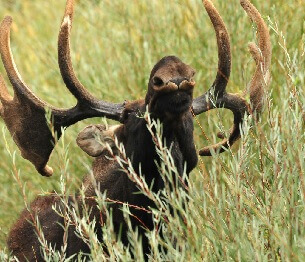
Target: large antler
x=216 y=96
x=25 y=114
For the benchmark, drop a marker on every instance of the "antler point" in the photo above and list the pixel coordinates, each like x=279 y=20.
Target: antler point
x=66 y=21
x=8 y=19
x=46 y=171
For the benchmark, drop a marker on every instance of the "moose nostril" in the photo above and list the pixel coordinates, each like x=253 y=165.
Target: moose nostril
x=178 y=81
x=157 y=81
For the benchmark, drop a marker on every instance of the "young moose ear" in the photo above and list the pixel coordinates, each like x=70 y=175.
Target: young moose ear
x=93 y=139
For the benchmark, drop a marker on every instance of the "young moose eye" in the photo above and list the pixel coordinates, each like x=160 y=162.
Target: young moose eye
x=157 y=81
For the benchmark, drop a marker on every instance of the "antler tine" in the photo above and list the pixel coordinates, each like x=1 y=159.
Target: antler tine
x=202 y=103
x=20 y=88
x=264 y=43
x=224 y=50
x=262 y=56
x=238 y=106
x=64 y=58
x=94 y=107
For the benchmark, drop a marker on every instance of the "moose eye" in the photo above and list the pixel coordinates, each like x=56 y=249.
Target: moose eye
x=157 y=81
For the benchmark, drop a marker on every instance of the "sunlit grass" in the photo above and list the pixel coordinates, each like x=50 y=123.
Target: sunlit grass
x=252 y=198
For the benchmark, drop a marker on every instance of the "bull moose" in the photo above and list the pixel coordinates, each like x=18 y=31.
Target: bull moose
x=169 y=99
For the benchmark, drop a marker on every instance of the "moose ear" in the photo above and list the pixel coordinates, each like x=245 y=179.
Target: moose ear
x=93 y=139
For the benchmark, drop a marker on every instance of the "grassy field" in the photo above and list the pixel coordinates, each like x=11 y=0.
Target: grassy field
x=247 y=204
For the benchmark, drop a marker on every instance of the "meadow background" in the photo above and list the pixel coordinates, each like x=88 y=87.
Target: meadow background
x=251 y=200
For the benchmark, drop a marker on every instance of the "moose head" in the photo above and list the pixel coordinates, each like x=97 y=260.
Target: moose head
x=25 y=114
x=169 y=98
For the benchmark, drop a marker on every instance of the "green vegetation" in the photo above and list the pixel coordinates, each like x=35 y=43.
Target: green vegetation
x=244 y=205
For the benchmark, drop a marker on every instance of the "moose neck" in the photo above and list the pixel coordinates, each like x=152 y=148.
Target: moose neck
x=178 y=135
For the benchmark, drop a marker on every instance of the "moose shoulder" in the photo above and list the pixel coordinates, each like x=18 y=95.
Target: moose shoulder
x=169 y=99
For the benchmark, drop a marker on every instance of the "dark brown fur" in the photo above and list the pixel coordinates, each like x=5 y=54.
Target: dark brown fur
x=169 y=99
x=173 y=109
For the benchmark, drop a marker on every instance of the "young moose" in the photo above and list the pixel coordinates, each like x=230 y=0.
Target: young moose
x=169 y=98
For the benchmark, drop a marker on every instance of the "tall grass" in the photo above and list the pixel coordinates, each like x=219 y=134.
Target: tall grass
x=246 y=204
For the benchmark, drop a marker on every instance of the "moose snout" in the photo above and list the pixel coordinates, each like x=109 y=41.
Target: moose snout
x=180 y=83
x=183 y=83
